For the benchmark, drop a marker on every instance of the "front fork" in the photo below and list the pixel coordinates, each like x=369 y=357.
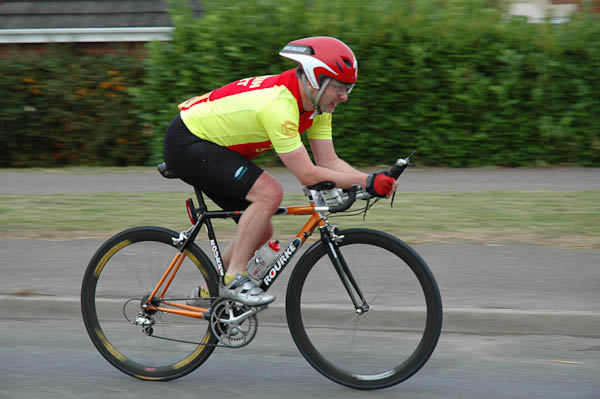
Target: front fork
x=330 y=240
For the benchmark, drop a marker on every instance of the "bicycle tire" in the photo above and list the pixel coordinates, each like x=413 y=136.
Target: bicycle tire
x=392 y=340
x=124 y=270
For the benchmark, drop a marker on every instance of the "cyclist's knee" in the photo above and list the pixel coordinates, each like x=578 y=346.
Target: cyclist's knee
x=266 y=191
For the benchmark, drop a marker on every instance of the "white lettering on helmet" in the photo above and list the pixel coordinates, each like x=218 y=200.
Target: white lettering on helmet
x=297 y=49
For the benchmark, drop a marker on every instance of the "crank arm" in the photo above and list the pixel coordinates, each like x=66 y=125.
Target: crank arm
x=237 y=320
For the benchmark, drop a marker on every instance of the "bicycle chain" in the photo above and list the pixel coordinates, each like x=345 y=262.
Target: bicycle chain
x=190 y=342
x=175 y=339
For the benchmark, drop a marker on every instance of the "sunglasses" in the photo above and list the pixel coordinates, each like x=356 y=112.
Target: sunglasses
x=342 y=88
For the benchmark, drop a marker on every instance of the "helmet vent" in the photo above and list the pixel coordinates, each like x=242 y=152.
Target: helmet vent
x=339 y=66
x=347 y=62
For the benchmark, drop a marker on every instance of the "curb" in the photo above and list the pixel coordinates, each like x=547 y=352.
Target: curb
x=456 y=320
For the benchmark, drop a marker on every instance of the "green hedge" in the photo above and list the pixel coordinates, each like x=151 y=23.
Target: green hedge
x=64 y=107
x=456 y=80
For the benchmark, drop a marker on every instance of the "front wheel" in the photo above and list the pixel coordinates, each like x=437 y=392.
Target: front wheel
x=385 y=342
x=119 y=278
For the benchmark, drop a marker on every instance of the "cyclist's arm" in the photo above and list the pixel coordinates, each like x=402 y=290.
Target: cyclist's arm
x=300 y=164
x=325 y=156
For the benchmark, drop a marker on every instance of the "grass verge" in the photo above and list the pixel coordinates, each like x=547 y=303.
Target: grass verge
x=564 y=219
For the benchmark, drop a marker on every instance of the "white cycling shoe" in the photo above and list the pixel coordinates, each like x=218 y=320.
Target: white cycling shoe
x=244 y=290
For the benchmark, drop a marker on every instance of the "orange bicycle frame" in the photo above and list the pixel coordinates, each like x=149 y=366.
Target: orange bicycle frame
x=166 y=279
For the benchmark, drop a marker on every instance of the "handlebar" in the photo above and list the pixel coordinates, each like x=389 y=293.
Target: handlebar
x=353 y=193
x=400 y=165
x=348 y=202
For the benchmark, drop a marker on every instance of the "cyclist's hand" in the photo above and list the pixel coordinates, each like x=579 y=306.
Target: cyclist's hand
x=379 y=184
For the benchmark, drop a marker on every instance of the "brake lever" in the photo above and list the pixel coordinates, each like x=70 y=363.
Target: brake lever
x=397 y=170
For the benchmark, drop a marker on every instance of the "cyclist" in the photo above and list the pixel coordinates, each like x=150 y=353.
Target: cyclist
x=214 y=137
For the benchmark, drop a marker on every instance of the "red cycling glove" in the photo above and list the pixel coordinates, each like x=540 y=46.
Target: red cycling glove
x=379 y=184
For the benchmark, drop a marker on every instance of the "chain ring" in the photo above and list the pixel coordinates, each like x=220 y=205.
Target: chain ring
x=232 y=335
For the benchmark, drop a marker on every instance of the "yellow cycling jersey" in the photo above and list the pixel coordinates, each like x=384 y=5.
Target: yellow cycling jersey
x=253 y=115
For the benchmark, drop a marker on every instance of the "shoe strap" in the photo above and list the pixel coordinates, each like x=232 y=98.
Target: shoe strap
x=239 y=281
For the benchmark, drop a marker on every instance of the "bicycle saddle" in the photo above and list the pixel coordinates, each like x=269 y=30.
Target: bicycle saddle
x=162 y=168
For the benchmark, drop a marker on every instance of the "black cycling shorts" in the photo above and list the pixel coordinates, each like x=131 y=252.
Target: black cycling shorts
x=223 y=175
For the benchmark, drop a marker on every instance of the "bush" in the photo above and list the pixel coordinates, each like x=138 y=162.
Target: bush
x=68 y=108
x=455 y=79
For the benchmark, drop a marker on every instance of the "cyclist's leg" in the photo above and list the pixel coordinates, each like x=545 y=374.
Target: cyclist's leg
x=202 y=291
x=255 y=226
x=231 y=247
x=234 y=183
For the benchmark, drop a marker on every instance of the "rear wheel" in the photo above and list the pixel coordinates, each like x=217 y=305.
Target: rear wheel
x=388 y=342
x=118 y=280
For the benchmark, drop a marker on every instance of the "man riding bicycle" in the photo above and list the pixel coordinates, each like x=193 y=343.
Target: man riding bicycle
x=210 y=143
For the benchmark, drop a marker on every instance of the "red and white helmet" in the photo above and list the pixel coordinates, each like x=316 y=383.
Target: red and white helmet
x=323 y=56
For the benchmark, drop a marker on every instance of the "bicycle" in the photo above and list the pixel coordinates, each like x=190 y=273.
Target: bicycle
x=362 y=306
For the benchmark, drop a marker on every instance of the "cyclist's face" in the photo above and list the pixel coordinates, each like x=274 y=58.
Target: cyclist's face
x=336 y=92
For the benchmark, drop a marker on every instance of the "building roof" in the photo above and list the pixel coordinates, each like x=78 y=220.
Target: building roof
x=87 y=21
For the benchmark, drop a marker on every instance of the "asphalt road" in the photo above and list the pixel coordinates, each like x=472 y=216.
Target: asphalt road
x=53 y=359
x=413 y=180
x=521 y=321
x=495 y=289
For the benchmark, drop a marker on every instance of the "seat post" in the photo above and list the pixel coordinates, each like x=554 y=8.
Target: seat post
x=201 y=203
